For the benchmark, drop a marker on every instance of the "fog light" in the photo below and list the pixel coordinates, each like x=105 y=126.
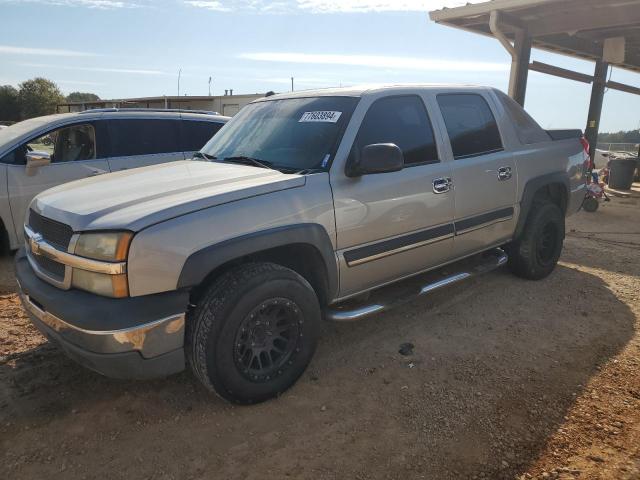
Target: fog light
x=115 y=286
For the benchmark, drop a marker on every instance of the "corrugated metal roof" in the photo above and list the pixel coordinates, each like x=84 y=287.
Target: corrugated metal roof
x=572 y=27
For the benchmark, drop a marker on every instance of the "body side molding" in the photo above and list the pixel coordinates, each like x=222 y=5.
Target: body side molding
x=383 y=248
x=483 y=220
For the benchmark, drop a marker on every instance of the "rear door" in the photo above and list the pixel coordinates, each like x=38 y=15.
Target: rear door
x=483 y=172
x=195 y=134
x=77 y=151
x=138 y=142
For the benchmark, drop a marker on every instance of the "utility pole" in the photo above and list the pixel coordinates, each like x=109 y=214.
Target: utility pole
x=292 y=84
x=209 y=86
x=595 y=106
x=179 y=73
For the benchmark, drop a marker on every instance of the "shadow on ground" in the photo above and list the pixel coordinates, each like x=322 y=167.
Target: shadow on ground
x=497 y=363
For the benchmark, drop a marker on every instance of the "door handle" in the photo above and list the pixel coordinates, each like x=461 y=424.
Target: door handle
x=442 y=184
x=504 y=173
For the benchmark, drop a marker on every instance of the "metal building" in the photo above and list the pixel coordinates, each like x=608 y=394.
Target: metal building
x=224 y=104
x=604 y=31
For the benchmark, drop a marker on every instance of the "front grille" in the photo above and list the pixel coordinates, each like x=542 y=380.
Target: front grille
x=56 y=233
x=51 y=267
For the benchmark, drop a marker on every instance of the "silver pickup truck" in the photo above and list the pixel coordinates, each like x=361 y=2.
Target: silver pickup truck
x=301 y=208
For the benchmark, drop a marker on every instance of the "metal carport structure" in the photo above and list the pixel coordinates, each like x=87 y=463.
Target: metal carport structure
x=604 y=31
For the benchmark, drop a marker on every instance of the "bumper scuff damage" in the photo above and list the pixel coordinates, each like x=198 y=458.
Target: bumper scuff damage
x=143 y=343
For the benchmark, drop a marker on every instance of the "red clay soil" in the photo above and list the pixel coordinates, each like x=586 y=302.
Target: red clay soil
x=508 y=379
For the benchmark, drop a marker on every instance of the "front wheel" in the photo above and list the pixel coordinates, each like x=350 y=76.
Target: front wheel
x=535 y=254
x=254 y=332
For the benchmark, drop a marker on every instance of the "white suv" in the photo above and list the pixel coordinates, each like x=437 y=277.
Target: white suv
x=43 y=152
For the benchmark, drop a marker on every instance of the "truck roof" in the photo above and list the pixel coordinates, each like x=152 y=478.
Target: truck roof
x=361 y=90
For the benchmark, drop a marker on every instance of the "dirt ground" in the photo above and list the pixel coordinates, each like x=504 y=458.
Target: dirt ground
x=508 y=379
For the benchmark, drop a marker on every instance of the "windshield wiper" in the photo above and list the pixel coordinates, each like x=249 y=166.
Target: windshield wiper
x=244 y=160
x=308 y=171
x=206 y=156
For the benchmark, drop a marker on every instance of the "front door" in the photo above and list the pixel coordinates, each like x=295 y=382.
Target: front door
x=484 y=173
x=393 y=224
x=73 y=154
x=139 y=142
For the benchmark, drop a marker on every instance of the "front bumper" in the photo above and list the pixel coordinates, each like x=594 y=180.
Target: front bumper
x=137 y=337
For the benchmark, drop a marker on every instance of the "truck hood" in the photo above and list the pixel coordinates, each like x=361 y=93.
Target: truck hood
x=135 y=199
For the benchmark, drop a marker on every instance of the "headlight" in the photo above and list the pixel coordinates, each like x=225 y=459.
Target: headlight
x=104 y=246
x=109 y=246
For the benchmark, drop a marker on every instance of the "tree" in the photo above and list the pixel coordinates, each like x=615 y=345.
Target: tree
x=630 y=136
x=82 y=97
x=39 y=97
x=9 y=104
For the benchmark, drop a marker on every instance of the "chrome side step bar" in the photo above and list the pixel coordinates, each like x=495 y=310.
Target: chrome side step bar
x=466 y=269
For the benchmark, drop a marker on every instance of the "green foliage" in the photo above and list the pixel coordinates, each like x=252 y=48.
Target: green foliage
x=82 y=97
x=9 y=104
x=39 y=97
x=34 y=98
x=631 y=136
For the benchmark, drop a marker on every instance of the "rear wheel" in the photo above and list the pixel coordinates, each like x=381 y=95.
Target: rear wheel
x=535 y=254
x=254 y=332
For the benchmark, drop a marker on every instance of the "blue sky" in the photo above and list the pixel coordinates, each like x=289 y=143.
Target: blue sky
x=135 y=48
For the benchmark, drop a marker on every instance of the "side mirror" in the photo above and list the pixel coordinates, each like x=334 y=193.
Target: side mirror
x=35 y=160
x=378 y=158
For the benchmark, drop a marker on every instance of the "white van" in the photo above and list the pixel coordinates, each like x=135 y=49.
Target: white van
x=43 y=152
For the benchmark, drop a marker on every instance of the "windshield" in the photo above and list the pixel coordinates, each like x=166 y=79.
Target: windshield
x=290 y=134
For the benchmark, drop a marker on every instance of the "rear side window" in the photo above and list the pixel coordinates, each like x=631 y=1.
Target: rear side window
x=471 y=126
x=527 y=129
x=404 y=122
x=144 y=137
x=195 y=134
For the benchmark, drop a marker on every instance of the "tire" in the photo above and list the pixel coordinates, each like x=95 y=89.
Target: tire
x=590 y=204
x=231 y=342
x=5 y=244
x=535 y=254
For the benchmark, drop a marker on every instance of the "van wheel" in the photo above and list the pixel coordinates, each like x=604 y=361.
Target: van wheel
x=5 y=244
x=535 y=254
x=254 y=332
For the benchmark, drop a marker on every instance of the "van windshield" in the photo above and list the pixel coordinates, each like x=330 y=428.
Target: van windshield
x=294 y=134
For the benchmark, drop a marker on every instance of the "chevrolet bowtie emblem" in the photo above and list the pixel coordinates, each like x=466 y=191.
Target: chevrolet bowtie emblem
x=35 y=243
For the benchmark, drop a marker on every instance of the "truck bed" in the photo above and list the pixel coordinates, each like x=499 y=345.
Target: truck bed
x=564 y=134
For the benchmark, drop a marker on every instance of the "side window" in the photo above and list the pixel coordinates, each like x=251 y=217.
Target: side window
x=70 y=144
x=196 y=134
x=75 y=144
x=45 y=143
x=527 y=129
x=143 y=137
x=471 y=126
x=404 y=122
